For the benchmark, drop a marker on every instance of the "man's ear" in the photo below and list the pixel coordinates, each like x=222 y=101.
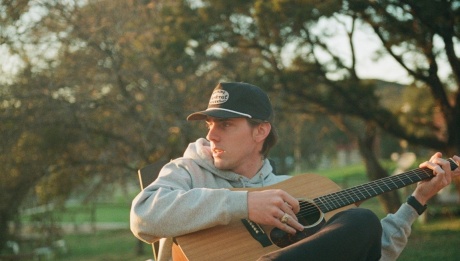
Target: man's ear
x=261 y=131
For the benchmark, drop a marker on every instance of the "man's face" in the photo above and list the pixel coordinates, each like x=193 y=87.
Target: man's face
x=235 y=145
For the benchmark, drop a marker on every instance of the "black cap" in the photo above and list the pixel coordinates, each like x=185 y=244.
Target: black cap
x=235 y=100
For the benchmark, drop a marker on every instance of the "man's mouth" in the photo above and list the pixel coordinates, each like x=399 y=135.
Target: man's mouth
x=217 y=151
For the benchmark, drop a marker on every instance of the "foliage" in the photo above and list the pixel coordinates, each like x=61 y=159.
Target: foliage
x=411 y=37
x=101 y=107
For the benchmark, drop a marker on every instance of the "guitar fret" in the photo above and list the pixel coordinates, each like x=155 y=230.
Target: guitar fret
x=396 y=185
x=341 y=199
x=362 y=195
x=350 y=196
x=333 y=201
x=389 y=188
x=408 y=176
x=375 y=192
x=322 y=205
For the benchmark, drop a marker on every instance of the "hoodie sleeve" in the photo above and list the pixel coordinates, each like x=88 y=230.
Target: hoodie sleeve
x=396 y=231
x=171 y=206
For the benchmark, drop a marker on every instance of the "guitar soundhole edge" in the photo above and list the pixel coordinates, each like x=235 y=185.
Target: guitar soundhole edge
x=309 y=215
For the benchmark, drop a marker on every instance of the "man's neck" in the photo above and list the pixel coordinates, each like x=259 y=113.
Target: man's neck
x=253 y=170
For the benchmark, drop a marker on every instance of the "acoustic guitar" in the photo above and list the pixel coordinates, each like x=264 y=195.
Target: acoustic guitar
x=319 y=199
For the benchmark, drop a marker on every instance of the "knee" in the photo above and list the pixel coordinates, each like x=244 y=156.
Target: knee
x=360 y=220
x=365 y=221
x=365 y=216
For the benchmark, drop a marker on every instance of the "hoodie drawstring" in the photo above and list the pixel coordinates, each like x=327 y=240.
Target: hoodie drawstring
x=261 y=177
x=242 y=181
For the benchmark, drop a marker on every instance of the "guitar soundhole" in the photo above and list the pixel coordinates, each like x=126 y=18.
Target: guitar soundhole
x=310 y=216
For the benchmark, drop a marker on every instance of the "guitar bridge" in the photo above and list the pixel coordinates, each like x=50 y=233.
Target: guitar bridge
x=257 y=232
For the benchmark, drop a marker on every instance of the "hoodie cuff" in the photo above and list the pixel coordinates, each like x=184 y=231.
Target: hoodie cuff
x=407 y=213
x=238 y=204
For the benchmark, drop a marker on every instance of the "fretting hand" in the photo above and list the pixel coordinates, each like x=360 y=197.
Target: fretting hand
x=426 y=189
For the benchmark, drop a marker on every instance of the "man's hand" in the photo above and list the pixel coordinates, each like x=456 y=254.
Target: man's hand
x=443 y=176
x=269 y=206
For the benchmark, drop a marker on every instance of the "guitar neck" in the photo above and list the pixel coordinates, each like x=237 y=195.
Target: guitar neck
x=374 y=188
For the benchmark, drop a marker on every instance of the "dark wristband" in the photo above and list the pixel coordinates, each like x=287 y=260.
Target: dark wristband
x=413 y=202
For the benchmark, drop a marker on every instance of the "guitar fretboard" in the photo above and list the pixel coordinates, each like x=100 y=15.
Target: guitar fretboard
x=374 y=188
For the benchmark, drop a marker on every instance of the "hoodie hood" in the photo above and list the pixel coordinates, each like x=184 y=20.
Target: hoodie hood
x=200 y=153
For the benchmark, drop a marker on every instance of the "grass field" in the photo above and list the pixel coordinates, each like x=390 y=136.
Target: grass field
x=103 y=212
x=439 y=240
x=115 y=245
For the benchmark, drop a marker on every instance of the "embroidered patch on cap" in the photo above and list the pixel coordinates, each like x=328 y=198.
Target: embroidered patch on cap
x=219 y=97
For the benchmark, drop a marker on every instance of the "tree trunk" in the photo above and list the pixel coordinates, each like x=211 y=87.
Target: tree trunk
x=4 y=220
x=390 y=201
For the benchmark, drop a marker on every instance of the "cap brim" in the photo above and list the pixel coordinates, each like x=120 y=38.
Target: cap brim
x=202 y=115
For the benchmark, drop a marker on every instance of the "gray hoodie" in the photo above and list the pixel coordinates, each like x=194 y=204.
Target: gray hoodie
x=193 y=182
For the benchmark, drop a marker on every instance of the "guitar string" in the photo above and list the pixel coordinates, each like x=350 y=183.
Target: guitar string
x=337 y=200
x=348 y=196
x=406 y=178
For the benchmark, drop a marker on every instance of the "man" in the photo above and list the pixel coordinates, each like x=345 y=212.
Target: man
x=192 y=192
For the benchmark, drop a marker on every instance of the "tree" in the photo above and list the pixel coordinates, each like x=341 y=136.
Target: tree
x=421 y=36
x=108 y=95
x=318 y=73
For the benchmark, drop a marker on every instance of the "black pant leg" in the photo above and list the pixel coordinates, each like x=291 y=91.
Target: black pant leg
x=353 y=234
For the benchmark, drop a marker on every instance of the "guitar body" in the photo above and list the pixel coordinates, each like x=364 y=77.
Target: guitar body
x=234 y=241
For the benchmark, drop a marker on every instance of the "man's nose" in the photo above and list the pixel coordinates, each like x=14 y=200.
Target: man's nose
x=212 y=135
